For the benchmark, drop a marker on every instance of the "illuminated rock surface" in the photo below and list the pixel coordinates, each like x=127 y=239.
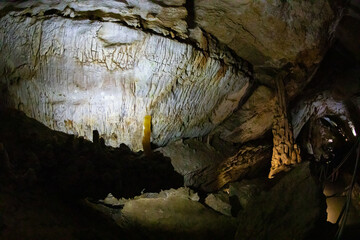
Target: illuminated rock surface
x=175 y=213
x=83 y=66
x=80 y=76
x=252 y=119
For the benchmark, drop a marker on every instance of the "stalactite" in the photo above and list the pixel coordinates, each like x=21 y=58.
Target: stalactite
x=285 y=151
x=146 y=137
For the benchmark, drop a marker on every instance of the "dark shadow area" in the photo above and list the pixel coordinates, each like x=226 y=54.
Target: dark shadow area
x=45 y=175
x=190 y=7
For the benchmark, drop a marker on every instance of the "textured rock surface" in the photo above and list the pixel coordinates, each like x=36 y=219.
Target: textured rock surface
x=191 y=155
x=252 y=120
x=77 y=76
x=234 y=199
x=286 y=152
x=219 y=202
x=171 y=214
x=316 y=106
x=164 y=17
x=269 y=32
x=290 y=210
x=247 y=161
x=87 y=65
x=245 y=191
x=209 y=166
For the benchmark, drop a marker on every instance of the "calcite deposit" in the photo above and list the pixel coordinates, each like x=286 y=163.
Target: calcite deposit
x=80 y=76
x=79 y=66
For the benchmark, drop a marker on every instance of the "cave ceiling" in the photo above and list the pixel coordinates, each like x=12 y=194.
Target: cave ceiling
x=197 y=67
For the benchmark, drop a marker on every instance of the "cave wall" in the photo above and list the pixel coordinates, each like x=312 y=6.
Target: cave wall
x=78 y=76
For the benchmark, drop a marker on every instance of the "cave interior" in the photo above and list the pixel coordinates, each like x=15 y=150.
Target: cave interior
x=179 y=119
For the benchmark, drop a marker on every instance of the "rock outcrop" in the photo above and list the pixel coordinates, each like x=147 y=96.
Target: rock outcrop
x=209 y=169
x=252 y=120
x=269 y=33
x=247 y=160
x=290 y=210
x=174 y=213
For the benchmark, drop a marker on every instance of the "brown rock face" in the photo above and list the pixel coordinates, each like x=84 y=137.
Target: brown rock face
x=268 y=32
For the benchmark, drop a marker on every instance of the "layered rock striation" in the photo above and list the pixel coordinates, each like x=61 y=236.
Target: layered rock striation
x=79 y=66
x=81 y=75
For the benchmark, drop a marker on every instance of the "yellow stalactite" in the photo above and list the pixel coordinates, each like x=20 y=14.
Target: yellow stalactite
x=146 y=137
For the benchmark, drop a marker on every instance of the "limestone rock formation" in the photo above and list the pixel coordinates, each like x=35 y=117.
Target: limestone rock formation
x=174 y=214
x=87 y=65
x=236 y=197
x=286 y=153
x=191 y=155
x=78 y=76
x=251 y=120
x=247 y=160
x=164 y=17
x=290 y=210
x=193 y=79
x=209 y=167
x=316 y=106
x=219 y=202
x=269 y=33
